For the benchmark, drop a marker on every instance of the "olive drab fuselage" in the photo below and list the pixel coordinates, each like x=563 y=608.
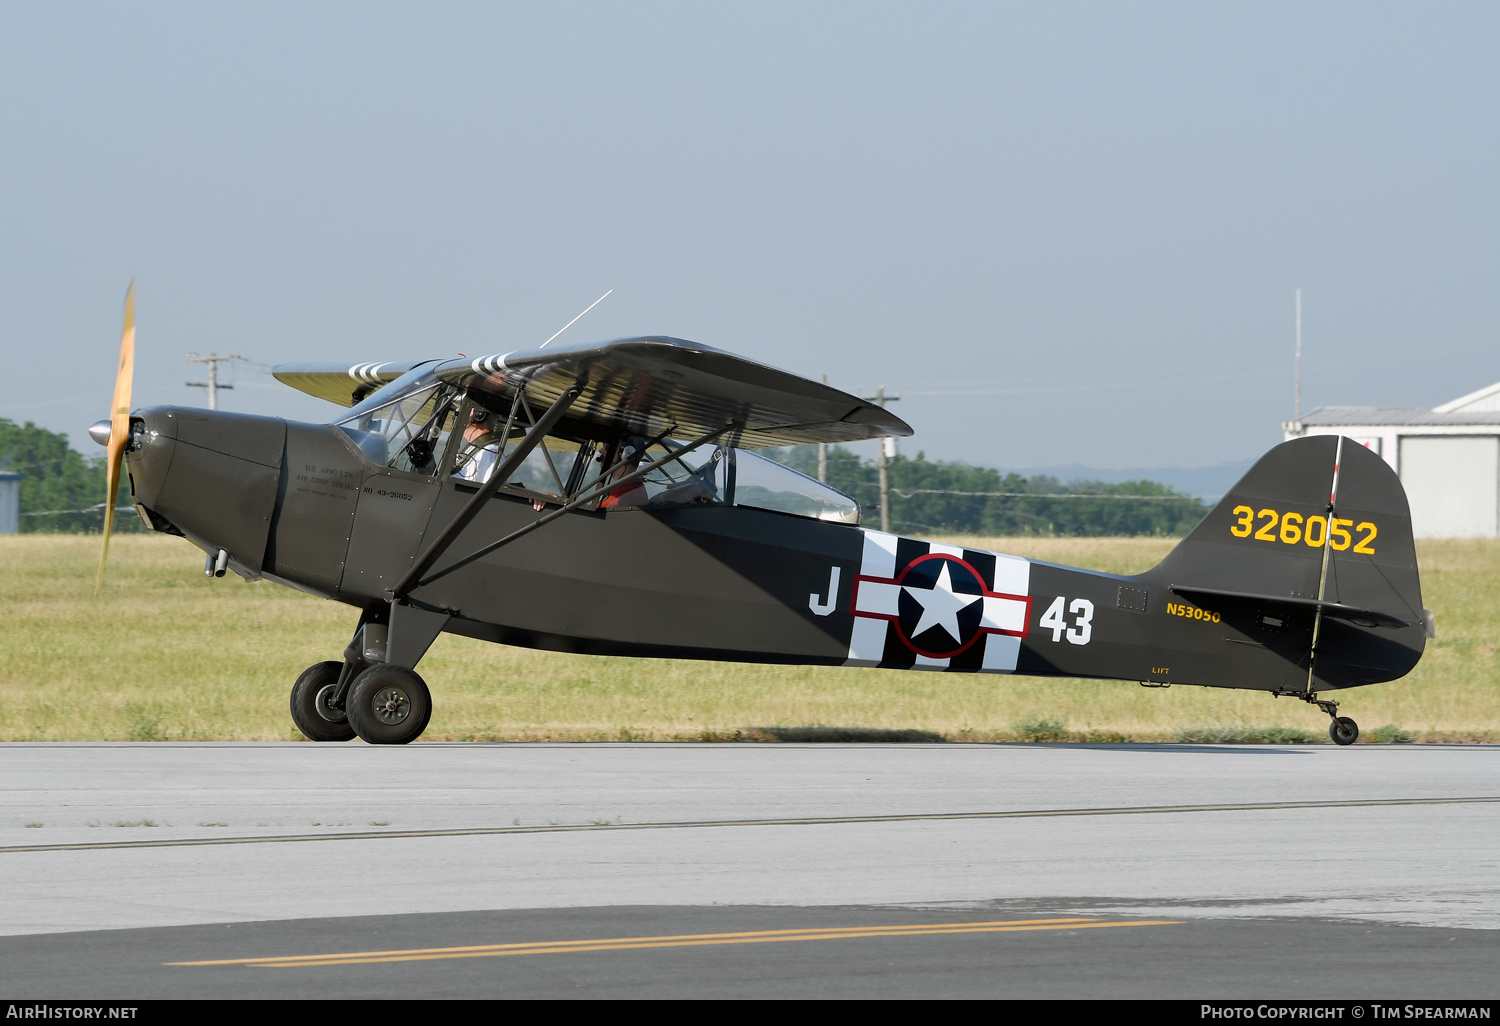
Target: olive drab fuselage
x=304 y=505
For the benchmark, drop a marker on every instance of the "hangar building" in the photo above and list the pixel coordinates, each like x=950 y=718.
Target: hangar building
x=1448 y=457
x=10 y=503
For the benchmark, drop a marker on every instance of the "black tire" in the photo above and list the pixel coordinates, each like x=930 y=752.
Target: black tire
x=388 y=705
x=1343 y=730
x=315 y=724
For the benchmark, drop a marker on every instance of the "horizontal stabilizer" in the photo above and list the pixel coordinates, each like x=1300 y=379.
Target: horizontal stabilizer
x=1338 y=610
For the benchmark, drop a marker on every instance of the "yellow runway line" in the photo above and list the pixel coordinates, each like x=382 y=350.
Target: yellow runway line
x=631 y=940
x=680 y=941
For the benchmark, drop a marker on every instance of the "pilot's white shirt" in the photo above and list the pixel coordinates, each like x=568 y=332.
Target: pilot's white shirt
x=479 y=465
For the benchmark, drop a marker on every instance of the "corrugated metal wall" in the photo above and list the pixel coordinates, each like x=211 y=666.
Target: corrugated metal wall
x=1453 y=484
x=10 y=503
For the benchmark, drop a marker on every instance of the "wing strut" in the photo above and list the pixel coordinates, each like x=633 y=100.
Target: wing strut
x=498 y=477
x=587 y=497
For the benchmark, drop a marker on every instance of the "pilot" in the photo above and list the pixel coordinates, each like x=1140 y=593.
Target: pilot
x=483 y=451
x=482 y=448
x=633 y=493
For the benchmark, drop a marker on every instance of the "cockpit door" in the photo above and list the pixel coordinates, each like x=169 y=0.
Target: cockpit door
x=407 y=441
x=394 y=508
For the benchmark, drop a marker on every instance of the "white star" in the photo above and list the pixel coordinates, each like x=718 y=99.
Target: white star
x=941 y=605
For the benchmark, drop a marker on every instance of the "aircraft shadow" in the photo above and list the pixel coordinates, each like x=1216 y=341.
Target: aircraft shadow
x=849 y=735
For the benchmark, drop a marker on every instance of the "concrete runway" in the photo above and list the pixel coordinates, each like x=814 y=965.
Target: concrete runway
x=1405 y=892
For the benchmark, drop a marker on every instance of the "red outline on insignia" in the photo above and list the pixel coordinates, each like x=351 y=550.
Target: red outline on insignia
x=985 y=593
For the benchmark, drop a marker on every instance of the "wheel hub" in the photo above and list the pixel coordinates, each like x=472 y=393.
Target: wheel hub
x=391 y=705
x=324 y=707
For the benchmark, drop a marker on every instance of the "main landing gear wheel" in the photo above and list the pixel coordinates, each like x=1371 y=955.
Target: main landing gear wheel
x=388 y=705
x=1343 y=730
x=310 y=710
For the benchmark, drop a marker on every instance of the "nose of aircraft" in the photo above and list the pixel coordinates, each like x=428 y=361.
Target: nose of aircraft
x=208 y=475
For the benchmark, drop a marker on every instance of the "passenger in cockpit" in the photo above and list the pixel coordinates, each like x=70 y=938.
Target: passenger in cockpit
x=634 y=493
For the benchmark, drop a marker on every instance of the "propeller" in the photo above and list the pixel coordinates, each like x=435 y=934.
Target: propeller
x=119 y=427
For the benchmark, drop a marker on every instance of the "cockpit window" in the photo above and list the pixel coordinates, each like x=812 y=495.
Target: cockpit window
x=699 y=478
x=408 y=424
x=409 y=433
x=735 y=476
x=558 y=467
x=766 y=484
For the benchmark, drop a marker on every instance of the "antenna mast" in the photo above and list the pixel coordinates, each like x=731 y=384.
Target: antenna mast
x=1297 y=367
x=574 y=321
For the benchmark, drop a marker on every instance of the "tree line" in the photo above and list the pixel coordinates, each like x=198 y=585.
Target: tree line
x=957 y=498
x=61 y=490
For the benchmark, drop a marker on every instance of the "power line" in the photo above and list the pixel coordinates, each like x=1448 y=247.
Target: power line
x=44 y=463
x=1049 y=495
x=90 y=509
x=1106 y=382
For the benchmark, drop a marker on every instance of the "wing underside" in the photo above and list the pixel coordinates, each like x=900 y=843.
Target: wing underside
x=665 y=386
x=342 y=383
x=645 y=386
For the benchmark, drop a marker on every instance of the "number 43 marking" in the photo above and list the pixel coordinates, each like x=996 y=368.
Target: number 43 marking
x=1083 y=626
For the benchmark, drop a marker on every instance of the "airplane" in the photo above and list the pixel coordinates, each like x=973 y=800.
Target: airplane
x=608 y=498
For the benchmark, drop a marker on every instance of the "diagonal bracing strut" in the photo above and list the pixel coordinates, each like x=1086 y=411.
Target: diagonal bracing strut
x=497 y=477
x=582 y=500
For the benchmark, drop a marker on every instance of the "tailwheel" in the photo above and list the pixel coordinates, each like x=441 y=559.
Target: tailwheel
x=388 y=705
x=311 y=712
x=1343 y=730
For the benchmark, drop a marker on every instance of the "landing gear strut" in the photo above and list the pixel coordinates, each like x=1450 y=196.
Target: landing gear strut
x=1342 y=729
x=372 y=694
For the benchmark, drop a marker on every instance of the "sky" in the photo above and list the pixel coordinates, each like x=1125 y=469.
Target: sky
x=1065 y=234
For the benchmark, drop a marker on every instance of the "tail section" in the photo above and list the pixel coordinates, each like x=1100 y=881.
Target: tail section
x=1310 y=557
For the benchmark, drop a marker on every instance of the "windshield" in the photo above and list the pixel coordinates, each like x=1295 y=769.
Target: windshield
x=413 y=380
x=408 y=433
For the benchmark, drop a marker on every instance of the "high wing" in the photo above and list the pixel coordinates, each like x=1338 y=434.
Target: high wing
x=342 y=383
x=646 y=386
x=656 y=385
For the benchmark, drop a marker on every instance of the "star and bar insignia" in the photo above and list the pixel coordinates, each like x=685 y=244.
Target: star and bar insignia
x=924 y=605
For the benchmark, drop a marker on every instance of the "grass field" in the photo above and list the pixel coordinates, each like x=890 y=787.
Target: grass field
x=166 y=654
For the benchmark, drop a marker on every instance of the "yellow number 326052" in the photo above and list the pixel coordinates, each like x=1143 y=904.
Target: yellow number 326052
x=1313 y=531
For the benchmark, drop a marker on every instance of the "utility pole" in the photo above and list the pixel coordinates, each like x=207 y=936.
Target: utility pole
x=880 y=399
x=823 y=451
x=212 y=384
